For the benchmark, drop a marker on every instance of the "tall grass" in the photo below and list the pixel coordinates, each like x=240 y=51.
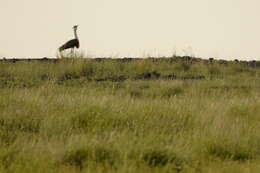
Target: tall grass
x=138 y=116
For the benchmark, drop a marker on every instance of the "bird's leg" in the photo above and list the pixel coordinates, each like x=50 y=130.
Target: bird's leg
x=74 y=53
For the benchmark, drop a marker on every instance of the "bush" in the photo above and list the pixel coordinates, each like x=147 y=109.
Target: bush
x=82 y=156
x=76 y=158
x=158 y=158
x=225 y=153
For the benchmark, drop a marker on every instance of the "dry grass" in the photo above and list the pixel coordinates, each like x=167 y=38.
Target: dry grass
x=61 y=117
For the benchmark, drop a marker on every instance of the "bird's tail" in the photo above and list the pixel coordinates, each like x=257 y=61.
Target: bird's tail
x=61 y=48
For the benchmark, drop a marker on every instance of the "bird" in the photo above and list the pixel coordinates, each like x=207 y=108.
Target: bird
x=71 y=44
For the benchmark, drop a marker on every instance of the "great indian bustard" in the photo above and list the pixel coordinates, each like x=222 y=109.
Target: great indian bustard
x=72 y=43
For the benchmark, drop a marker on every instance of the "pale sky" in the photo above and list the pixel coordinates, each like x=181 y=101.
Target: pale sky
x=226 y=29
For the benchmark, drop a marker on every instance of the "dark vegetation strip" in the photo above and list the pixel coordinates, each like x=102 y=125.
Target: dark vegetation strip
x=151 y=76
x=252 y=63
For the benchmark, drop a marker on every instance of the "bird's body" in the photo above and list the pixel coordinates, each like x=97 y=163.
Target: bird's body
x=72 y=43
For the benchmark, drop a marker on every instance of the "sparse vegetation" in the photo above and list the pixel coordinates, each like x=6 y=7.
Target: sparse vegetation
x=124 y=115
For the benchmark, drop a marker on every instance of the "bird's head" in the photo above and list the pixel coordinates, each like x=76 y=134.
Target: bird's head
x=75 y=27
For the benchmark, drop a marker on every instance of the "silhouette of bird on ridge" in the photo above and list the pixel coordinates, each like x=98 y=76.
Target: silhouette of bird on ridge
x=72 y=43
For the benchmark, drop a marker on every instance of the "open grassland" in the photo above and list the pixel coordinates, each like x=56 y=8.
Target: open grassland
x=129 y=116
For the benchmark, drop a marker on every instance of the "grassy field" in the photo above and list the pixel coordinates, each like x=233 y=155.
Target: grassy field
x=129 y=116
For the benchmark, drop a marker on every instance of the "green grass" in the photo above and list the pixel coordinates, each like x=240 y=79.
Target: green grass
x=147 y=115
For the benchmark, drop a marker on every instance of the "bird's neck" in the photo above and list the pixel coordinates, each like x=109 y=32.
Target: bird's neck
x=75 y=34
